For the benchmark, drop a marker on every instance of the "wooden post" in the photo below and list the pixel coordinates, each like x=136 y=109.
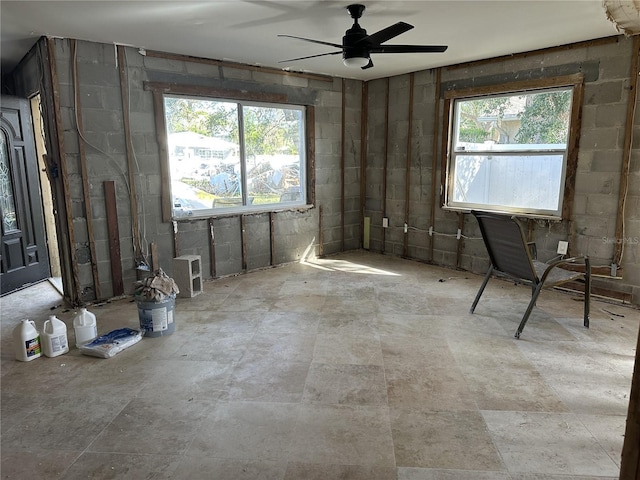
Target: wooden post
x=212 y=248
x=385 y=162
x=434 y=161
x=272 y=238
x=155 y=261
x=407 y=175
x=83 y=171
x=342 y=163
x=243 y=238
x=114 y=237
x=630 y=466
x=363 y=157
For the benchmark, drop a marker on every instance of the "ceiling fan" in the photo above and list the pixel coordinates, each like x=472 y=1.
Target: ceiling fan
x=357 y=46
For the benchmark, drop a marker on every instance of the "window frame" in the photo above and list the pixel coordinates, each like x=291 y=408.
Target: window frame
x=569 y=168
x=160 y=90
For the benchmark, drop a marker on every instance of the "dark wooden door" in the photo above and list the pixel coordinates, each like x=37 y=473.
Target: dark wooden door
x=23 y=250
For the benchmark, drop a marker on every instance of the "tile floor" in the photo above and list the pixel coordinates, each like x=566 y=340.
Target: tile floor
x=359 y=366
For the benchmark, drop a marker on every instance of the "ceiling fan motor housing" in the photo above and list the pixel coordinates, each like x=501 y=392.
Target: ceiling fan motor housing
x=352 y=46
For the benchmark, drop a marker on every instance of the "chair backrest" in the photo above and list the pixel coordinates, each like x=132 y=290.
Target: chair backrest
x=507 y=245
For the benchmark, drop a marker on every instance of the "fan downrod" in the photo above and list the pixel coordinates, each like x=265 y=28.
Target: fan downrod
x=356 y=10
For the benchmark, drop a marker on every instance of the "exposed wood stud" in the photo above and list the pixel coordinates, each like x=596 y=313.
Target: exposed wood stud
x=75 y=295
x=114 y=237
x=212 y=248
x=320 y=233
x=176 y=239
x=385 y=155
x=363 y=156
x=272 y=238
x=407 y=178
x=342 y=162
x=243 y=239
x=155 y=259
x=161 y=135
x=124 y=95
x=630 y=462
x=460 y=240
x=626 y=152
x=84 y=174
x=434 y=159
x=311 y=154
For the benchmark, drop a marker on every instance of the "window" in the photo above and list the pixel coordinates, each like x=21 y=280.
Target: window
x=233 y=155
x=510 y=152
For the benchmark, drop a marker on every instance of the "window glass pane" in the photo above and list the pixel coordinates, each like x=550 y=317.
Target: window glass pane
x=509 y=152
x=273 y=142
x=537 y=121
x=211 y=162
x=529 y=182
x=7 y=200
x=204 y=154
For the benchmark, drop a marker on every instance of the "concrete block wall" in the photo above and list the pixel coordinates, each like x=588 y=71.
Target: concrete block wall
x=296 y=232
x=592 y=226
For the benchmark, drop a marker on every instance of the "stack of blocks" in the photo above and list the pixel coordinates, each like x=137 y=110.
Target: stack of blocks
x=187 y=273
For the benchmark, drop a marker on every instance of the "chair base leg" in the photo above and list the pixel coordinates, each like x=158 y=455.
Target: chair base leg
x=484 y=284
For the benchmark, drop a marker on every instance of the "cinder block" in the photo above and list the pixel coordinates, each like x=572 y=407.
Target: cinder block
x=187 y=273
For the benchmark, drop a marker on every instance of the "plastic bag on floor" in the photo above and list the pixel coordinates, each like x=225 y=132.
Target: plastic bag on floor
x=112 y=343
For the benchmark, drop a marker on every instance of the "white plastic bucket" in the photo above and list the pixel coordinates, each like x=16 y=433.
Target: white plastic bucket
x=54 y=337
x=85 y=327
x=26 y=341
x=156 y=318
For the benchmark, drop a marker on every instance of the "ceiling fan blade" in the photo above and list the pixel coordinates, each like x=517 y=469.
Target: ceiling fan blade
x=368 y=65
x=313 y=41
x=409 y=49
x=388 y=33
x=310 y=56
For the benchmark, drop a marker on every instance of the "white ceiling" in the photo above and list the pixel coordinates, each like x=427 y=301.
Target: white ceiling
x=246 y=30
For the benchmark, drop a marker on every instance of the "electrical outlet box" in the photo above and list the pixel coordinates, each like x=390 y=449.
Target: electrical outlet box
x=563 y=247
x=385 y=222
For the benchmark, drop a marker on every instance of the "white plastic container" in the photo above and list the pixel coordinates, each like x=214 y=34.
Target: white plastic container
x=26 y=341
x=54 y=337
x=84 y=324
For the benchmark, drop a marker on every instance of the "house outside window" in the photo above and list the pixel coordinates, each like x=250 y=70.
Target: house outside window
x=233 y=156
x=511 y=152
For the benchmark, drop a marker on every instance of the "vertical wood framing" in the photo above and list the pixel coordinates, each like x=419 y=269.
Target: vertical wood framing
x=626 y=152
x=75 y=294
x=161 y=134
x=363 y=157
x=630 y=464
x=212 y=248
x=84 y=173
x=176 y=239
x=434 y=160
x=385 y=161
x=342 y=163
x=124 y=89
x=320 y=233
x=243 y=239
x=114 y=237
x=460 y=240
x=311 y=154
x=272 y=238
x=407 y=177
x=155 y=260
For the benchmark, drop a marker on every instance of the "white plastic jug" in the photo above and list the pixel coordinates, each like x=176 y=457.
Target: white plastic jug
x=84 y=324
x=54 y=337
x=26 y=341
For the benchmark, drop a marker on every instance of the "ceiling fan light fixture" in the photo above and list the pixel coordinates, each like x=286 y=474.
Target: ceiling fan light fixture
x=355 y=62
